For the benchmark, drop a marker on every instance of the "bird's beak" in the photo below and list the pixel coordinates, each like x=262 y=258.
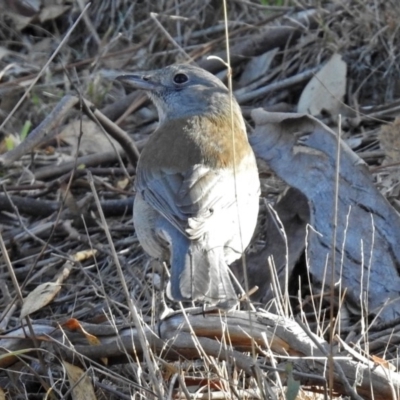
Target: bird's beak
x=143 y=82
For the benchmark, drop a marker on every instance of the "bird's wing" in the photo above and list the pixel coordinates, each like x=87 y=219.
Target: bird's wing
x=187 y=200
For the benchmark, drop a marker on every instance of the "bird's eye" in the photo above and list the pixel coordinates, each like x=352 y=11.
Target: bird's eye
x=180 y=78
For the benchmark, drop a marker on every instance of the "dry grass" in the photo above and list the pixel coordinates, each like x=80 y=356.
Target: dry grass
x=139 y=35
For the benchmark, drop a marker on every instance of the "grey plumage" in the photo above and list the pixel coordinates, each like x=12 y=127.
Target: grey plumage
x=197 y=183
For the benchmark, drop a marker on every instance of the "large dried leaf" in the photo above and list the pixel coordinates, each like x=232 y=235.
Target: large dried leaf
x=52 y=12
x=257 y=67
x=39 y=297
x=82 y=387
x=325 y=91
x=19 y=21
x=302 y=151
x=46 y=292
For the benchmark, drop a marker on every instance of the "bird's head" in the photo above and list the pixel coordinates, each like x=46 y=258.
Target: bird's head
x=182 y=90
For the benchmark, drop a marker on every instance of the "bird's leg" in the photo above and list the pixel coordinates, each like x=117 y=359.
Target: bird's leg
x=163 y=310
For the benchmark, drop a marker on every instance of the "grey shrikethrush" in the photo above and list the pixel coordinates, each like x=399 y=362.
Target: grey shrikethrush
x=197 y=184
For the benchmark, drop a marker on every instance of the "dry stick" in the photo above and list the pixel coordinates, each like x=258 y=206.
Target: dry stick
x=78 y=64
x=45 y=244
x=271 y=357
x=30 y=233
x=74 y=354
x=42 y=131
x=28 y=205
x=37 y=135
x=11 y=270
x=126 y=143
x=33 y=371
x=68 y=102
x=107 y=388
x=53 y=119
x=333 y=261
x=206 y=48
x=317 y=379
x=228 y=58
x=268 y=39
x=154 y=15
x=131 y=305
x=192 y=333
x=9 y=310
x=21 y=299
x=343 y=379
x=91 y=159
x=25 y=95
x=183 y=387
x=23 y=188
x=138 y=102
x=44 y=208
x=114 y=131
x=262 y=7
x=89 y=24
x=114 y=110
x=283 y=84
x=284 y=296
x=181 y=345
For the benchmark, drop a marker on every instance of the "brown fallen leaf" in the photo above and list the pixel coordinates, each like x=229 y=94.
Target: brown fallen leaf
x=52 y=12
x=326 y=90
x=46 y=292
x=81 y=384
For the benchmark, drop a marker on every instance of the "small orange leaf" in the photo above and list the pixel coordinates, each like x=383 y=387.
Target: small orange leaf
x=383 y=363
x=74 y=325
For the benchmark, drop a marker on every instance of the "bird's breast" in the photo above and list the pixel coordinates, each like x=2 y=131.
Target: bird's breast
x=213 y=141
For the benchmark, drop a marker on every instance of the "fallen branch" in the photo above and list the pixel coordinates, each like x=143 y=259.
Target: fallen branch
x=224 y=337
x=45 y=131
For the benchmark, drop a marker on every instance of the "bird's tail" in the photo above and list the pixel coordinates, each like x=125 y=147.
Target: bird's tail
x=200 y=274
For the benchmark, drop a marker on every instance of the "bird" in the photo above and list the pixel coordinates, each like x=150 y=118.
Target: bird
x=197 y=183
